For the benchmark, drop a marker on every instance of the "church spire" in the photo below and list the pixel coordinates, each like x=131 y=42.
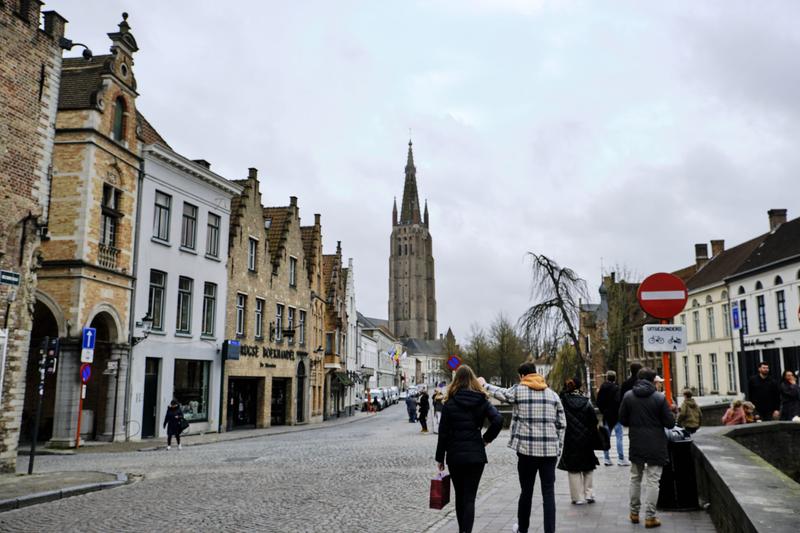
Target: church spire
x=425 y=216
x=394 y=212
x=410 y=196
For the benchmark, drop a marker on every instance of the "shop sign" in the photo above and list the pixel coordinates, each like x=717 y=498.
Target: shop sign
x=269 y=353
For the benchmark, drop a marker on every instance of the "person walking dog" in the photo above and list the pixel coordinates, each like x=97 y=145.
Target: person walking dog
x=647 y=413
x=537 y=435
x=460 y=442
x=173 y=423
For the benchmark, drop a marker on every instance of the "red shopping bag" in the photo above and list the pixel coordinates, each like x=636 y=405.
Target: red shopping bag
x=440 y=491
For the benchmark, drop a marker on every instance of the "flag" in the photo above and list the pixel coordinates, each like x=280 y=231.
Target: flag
x=405 y=355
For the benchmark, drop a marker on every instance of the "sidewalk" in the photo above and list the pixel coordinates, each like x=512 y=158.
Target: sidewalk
x=22 y=490
x=197 y=439
x=496 y=511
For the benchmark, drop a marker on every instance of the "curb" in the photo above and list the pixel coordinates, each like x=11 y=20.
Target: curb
x=53 y=495
x=314 y=427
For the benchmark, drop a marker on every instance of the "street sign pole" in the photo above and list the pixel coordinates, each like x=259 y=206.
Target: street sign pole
x=667 y=369
x=35 y=436
x=85 y=374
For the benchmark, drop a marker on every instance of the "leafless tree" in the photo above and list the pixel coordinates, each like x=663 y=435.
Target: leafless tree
x=508 y=349
x=558 y=292
x=478 y=354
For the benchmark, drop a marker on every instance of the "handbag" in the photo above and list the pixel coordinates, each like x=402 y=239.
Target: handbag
x=603 y=441
x=183 y=424
x=440 y=491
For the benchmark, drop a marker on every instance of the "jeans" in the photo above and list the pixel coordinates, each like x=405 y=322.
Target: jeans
x=437 y=416
x=617 y=430
x=527 y=467
x=651 y=475
x=412 y=413
x=465 y=482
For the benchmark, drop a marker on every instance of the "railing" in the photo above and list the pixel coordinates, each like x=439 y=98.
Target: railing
x=107 y=256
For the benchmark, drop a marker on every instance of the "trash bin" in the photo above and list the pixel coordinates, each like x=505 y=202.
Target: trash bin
x=678 y=487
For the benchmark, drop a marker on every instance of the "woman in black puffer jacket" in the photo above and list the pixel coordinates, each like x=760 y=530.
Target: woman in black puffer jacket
x=578 y=457
x=461 y=444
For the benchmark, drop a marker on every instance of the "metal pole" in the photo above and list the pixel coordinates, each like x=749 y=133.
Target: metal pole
x=116 y=398
x=667 y=369
x=80 y=411
x=35 y=435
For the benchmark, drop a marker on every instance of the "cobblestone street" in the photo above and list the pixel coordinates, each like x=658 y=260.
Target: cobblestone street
x=371 y=475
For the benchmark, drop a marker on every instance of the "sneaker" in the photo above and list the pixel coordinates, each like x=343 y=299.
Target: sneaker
x=652 y=522
x=180 y=447
x=579 y=502
x=634 y=518
x=608 y=462
x=589 y=500
x=169 y=448
x=515 y=528
x=624 y=463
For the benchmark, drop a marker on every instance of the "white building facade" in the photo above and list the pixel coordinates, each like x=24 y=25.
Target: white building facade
x=352 y=340
x=182 y=286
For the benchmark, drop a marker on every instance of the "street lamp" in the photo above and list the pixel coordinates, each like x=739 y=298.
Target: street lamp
x=147 y=326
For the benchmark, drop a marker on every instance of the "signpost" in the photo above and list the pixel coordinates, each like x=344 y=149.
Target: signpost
x=664 y=338
x=48 y=358
x=454 y=362
x=663 y=296
x=87 y=345
x=85 y=374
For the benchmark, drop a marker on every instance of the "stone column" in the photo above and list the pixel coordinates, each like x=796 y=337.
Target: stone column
x=115 y=393
x=68 y=389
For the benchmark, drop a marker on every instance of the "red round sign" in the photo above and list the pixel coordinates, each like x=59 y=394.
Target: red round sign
x=86 y=372
x=662 y=295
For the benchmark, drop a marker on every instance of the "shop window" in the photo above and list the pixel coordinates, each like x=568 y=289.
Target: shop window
x=190 y=388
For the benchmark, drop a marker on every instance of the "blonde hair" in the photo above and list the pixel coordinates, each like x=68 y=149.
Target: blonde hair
x=737 y=404
x=464 y=379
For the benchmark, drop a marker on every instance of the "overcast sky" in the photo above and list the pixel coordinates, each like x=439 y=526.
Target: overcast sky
x=613 y=132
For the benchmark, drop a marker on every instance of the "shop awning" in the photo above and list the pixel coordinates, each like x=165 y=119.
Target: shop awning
x=343 y=378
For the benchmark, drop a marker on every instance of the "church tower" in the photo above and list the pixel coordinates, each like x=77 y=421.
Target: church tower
x=412 y=287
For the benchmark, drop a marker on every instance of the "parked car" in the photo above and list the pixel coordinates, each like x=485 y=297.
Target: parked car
x=394 y=392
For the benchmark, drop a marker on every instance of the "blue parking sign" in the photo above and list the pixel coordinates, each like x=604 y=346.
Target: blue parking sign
x=88 y=337
x=735 y=315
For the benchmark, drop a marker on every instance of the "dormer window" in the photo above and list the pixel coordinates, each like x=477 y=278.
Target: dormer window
x=119 y=119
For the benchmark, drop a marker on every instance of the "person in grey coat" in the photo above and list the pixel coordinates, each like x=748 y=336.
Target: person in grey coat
x=646 y=412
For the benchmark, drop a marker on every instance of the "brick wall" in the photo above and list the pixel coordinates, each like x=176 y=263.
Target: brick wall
x=30 y=66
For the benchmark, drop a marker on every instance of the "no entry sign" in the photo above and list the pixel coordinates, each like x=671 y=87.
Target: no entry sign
x=454 y=362
x=662 y=295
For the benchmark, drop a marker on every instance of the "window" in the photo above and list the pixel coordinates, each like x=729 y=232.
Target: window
x=781 y=299
x=259 y=318
x=293 y=272
x=155 y=301
x=190 y=388
x=726 y=320
x=278 y=322
x=302 y=327
x=714 y=373
x=696 y=324
x=759 y=285
x=731 y=372
x=212 y=235
x=686 y=370
x=699 y=363
x=110 y=216
x=712 y=330
x=683 y=319
x=209 y=308
x=290 y=322
x=161 y=217
x=189 y=226
x=119 y=119
x=241 y=307
x=252 y=254
x=762 y=313
x=743 y=312
x=778 y=280
x=184 y=319
x=328 y=343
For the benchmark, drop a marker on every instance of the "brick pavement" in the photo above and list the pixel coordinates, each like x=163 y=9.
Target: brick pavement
x=496 y=509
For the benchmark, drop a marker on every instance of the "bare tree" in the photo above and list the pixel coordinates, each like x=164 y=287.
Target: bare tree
x=508 y=349
x=479 y=354
x=558 y=292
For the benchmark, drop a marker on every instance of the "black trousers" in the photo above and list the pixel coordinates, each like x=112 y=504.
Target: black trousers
x=527 y=468
x=169 y=439
x=466 y=479
x=423 y=420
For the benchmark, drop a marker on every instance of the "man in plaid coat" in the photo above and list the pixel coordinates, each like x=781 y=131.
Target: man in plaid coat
x=537 y=435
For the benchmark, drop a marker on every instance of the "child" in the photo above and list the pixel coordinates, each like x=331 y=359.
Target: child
x=690 y=415
x=735 y=414
x=750 y=413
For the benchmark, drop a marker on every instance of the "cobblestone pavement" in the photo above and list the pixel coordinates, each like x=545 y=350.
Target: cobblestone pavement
x=368 y=476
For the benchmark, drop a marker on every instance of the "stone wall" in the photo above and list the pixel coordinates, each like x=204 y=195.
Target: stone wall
x=30 y=66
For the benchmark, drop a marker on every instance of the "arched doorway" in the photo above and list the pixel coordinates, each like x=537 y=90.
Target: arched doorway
x=44 y=325
x=301 y=392
x=96 y=418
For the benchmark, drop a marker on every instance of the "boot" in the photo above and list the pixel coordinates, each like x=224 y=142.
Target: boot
x=634 y=518
x=652 y=522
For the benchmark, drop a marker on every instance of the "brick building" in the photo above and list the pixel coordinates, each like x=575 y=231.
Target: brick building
x=337 y=382
x=312 y=247
x=270 y=307
x=86 y=278
x=30 y=66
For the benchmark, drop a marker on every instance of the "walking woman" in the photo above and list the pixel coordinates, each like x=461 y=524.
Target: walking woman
x=578 y=457
x=424 y=407
x=790 y=396
x=173 y=423
x=461 y=444
x=438 y=405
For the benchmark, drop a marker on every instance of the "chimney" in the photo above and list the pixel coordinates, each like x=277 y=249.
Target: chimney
x=293 y=201
x=202 y=163
x=717 y=247
x=317 y=217
x=252 y=173
x=776 y=218
x=701 y=254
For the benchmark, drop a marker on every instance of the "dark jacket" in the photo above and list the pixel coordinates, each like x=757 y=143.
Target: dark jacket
x=460 y=440
x=424 y=405
x=765 y=395
x=581 y=436
x=172 y=421
x=790 y=400
x=608 y=399
x=646 y=413
x=626 y=386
